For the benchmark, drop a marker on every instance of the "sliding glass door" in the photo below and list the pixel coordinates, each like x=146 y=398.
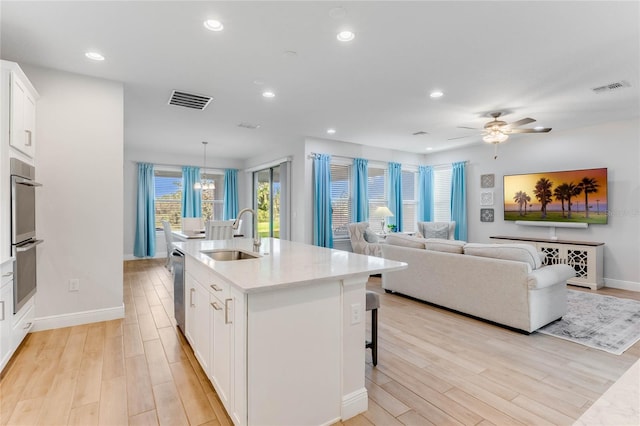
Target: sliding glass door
x=267 y=192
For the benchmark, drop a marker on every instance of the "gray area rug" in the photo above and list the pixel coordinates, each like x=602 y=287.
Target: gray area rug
x=602 y=322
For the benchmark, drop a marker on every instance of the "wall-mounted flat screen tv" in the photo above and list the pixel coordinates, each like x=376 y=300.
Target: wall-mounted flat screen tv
x=568 y=196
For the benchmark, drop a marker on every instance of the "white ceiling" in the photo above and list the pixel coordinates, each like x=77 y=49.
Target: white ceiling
x=532 y=59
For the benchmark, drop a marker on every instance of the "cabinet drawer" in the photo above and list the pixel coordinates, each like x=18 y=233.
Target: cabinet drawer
x=208 y=278
x=6 y=272
x=23 y=322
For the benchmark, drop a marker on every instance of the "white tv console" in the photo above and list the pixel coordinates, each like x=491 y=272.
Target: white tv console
x=585 y=257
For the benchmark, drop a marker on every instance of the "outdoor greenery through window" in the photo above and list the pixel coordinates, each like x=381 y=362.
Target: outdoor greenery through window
x=168 y=198
x=267 y=199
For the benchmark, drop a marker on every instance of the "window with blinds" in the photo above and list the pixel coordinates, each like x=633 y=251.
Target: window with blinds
x=377 y=188
x=409 y=198
x=168 y=198
x=442 y=194
x=340 y=199
x=213 y=199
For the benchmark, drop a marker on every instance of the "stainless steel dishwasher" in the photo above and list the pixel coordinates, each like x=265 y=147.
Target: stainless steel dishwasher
x=177 y=259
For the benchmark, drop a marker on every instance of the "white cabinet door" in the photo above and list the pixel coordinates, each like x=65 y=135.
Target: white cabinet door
x=6 y=314
x=23 y=117
x=202 y=330
x=189 y=309
x=221 y=348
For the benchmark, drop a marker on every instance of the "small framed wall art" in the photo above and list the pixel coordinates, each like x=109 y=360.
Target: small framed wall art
x=486 y=198
x=487 y=181
x=486 y=215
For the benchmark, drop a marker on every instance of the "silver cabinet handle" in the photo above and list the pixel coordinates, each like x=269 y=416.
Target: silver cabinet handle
x=215 y=287
x=2 y=301
x=226 y=311
x=28 y=138
x=191 y=291
x=216 y=306
x=29 y=246
x=8 y=274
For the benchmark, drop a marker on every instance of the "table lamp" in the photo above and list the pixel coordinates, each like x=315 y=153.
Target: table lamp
x=383 y=212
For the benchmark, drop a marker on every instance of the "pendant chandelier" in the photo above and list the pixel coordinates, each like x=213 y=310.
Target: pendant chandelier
x=204 y=182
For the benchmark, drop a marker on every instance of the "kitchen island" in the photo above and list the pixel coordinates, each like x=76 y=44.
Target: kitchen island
x=281 y=335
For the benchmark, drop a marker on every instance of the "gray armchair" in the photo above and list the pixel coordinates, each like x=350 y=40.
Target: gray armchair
x=444 y=230
x=359 y=243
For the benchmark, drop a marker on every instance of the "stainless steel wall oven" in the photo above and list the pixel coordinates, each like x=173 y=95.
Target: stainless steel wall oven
x=23 y=231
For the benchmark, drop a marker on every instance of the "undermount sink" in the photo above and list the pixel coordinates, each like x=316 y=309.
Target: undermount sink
x=227 y=255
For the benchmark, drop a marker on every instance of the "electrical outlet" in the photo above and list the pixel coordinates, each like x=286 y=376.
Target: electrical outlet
x=356 y=313
x=74 y=284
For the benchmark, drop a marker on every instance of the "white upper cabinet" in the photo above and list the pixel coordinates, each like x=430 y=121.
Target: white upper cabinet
x=22 y=112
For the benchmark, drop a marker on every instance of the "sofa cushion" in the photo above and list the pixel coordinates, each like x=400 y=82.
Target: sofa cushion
x=518 y=252
x=448 y=246
x=405 y=241
x=370 y=236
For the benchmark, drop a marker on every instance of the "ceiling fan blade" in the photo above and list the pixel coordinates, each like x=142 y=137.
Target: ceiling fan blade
x=465 y=127
x=521 y=122
x=459 y=137
x=544 y=130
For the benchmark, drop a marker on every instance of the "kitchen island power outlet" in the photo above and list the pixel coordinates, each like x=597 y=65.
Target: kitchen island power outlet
x=74 y=284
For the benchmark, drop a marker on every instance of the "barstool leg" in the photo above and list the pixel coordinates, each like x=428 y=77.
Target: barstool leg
x=374 y=336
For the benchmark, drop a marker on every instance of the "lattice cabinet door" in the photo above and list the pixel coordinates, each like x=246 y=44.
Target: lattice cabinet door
x=587 y=261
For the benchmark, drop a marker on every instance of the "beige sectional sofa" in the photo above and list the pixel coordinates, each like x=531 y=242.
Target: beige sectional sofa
x=505 y=284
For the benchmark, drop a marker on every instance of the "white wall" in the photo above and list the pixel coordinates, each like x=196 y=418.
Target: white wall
x=612 y=145
x=131 y=158
x=79 y=208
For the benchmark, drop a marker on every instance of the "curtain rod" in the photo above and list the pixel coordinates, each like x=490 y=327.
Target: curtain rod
x=180 y=166
x=314 y=154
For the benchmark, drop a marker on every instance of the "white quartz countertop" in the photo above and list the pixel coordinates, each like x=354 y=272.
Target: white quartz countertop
x=284 y=263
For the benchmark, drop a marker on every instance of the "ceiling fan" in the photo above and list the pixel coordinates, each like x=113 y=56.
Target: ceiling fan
x=497 y=131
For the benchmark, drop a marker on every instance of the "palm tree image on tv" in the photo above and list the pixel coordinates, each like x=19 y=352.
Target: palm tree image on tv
x=588 y=186
x=558 y=194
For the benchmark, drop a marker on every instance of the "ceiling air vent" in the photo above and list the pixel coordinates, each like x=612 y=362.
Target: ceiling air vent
x=611 y=86
x=189 y=100
x=246 y=125
x=421 y=132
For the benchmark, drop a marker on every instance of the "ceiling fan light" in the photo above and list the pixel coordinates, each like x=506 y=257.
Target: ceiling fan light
x=495 y=137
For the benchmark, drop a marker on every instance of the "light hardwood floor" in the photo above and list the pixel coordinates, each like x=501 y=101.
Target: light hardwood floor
x=434 y=367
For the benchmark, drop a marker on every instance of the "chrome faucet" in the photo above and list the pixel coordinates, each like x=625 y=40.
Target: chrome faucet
x=256 y=236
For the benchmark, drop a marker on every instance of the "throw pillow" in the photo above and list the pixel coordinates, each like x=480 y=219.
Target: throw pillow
x=405 y=241
x=518 y=252
x=447 y=246
x=441 y=232
x=370 y=236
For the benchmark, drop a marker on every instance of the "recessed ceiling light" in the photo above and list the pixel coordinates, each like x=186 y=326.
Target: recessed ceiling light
x=268 y=94
x=331 y=131
x=345 y=36
x=429 y=149
x=94 y=56
x=436 y=94
x=213 y=25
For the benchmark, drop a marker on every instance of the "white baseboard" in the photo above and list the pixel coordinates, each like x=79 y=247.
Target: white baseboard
x=354 y=403
x=77 y=318
x=623 y=285
x=130 y=256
